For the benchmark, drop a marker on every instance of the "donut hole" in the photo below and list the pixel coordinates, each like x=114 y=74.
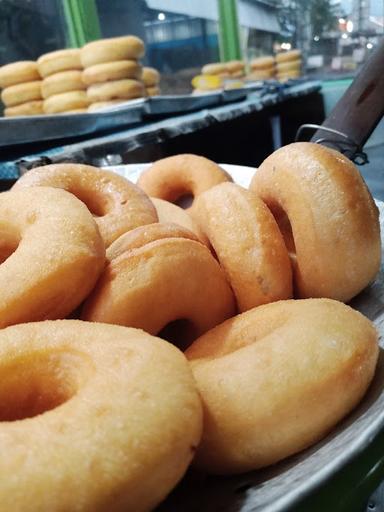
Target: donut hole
x=38 y=382
x=181 y=333
x=184 y=201
x=95 y=204
x=9 y=242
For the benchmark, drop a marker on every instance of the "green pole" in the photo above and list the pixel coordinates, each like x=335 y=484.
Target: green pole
x=82 y=21
x=229 y=38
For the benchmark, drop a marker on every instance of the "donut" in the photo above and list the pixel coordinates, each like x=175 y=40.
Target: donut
x=178 y=176
x=150 y=77
x=64 y=81
x=237 y=74
x=116 y=203
x=262 y=63
x=51 y=254
x=172 y=287
x=261 y=74
x=234 y=66
x=292 y=370
x=124 y=89
x=111 y=50
x=288 y=56
x=216 y=68
x=248 y=244
x=293 y=65
x=60 y=60
x=65 y=101
x=18 y=72
x=171 y=213
x=21 y=93
x=75 y=111
x=31 y=108
x=101 y=405
x=143 y=235
x=327 y=216
x=152 y=91
x=107 y=71
x=93 y=107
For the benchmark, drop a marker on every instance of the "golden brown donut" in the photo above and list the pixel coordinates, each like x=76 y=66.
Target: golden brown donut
x=288 y=56
x=117 y=204
x=21 y=93
x=51 y=254
x=247 y=242
x=261 y=74
x=144 y=235
x=100 y=73
x=111 y=50
x=31 y=108
x=101 y=405
x=216 y=68
x=64 y=81
x=123 y=89
x=18 y=72
x=169 y=212
x=60 y=60
x=153 y=91
x=234 y=66
x=65 y=101
x=327 y=216
x=293 y=65
x=177 y=176
x=150 y=77
x=162 y=282
x=277 y=379
x=238 y=74
x=262 y=63
x=93 y=107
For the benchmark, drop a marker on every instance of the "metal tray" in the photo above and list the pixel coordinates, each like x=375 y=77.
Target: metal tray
x=284 y=486
x=163 y=105
x=29 y=129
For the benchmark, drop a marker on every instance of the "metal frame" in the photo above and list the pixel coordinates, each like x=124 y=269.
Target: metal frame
x=82 y=21
x=229 y=39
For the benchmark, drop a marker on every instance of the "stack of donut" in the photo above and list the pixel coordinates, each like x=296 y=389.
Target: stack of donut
x=112 y=72
x=262 y=68
x=151 y=80
x=249 y=284
x=62 y=88
x=236 y=68
x=288 y=65
x=21 y=89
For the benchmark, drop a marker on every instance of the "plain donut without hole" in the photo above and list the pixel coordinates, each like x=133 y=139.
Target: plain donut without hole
x=118 y=204
x=108 y=418
x=277 y=379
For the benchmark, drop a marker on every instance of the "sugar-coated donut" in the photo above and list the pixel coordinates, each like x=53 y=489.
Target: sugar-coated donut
x=18 y=72
x=276 y=379
x=144 y=235
x=262 y=63
x=51 y=253
x=118 y=205
x=64 y=81
x=113 y=411
x=150 y=76
x=288 y=56
x=65 y=101
x=110 y=50
x=60 y=60
x=169 y=212
x=107 y=71
x=31 y=108
x=177 y=176
x=247 y=242
x=152 y=91
x=164 y=281
x=123 y=89
x=21 y=93
x=327 y=216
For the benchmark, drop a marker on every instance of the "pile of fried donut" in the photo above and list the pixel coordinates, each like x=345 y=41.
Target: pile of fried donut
x=138 y=337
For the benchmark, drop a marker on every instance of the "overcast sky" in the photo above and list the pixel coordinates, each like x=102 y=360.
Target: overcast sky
x=377 y=7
